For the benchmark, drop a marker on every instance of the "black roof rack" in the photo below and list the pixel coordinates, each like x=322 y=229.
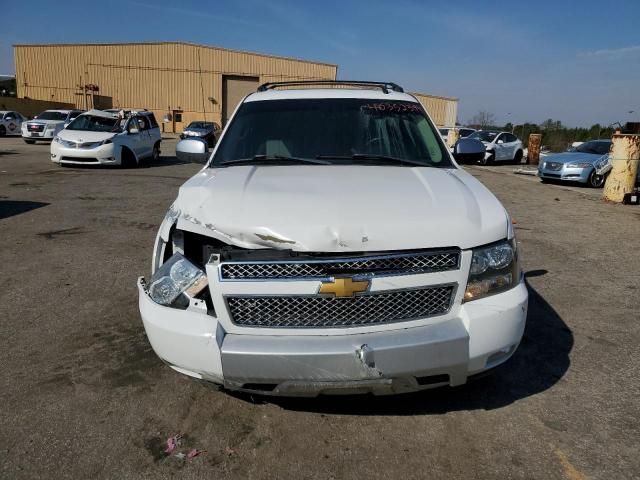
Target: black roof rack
x=384 y=86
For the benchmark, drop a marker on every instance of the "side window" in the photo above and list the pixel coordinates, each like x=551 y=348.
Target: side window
x=152 y=121
x=143 y=123
x=133 y=124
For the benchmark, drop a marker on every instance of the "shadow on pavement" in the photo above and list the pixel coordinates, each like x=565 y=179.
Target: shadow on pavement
x=541 y=360
x=10 y=208
x=164 y=161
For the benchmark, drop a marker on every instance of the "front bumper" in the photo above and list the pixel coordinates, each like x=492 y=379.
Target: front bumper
x=43 y=135
x=102 y=155
x=565 y=174
x=481 y=335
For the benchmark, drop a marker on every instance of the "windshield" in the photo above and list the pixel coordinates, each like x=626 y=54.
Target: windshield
x=202 y=125
x=52 y=116
x=484 y=136
x=598 y=148
x=338 y=130
x=93 y=123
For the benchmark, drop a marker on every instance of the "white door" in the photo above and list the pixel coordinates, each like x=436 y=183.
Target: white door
x=146 y=142
x=134 y=137
x=512 y=143
x=12 y=122
x=501 y=148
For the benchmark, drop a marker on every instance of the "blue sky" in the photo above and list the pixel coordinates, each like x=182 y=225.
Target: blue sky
x=578 y=62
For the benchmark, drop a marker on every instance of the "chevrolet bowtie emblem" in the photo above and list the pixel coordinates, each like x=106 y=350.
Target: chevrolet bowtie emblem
x=344 y=287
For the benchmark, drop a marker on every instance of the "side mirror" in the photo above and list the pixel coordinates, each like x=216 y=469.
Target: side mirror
x=193 y=150
x=500 y=142
x=468 y=150
x=132 y=131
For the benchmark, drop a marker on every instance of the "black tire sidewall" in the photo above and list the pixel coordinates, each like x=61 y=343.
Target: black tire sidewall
x=518 y=157
x=592 y=175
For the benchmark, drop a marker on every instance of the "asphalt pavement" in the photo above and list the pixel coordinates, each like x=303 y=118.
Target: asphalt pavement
x=84 y=396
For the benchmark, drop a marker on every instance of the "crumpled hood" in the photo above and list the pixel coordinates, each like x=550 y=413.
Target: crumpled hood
x=340 y=208
x=84 y=135
x=567 y=157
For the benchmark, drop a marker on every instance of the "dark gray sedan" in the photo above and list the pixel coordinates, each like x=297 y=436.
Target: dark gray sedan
x=209 y=131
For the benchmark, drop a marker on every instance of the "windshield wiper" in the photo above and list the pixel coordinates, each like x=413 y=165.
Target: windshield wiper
x=382 y=158
x=271 y=158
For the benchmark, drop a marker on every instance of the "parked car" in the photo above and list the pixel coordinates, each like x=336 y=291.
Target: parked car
x=463 y=132
x=208 y=131
x=46 y=125
x=578 y=164
x=10 y=123
x=107 y=138
x=331 y=244
x=500 y=146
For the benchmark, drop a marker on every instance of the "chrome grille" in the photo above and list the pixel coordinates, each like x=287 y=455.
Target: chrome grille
x=320 y=311
x=420 y=262
x=35 y=127
x=553 y=165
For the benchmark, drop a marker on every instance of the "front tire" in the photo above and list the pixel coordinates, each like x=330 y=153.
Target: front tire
x=518 y=158
x=127 y=158
x=595 y=180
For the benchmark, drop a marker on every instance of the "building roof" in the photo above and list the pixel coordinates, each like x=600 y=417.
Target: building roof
x=171 y=43
x=455 y=99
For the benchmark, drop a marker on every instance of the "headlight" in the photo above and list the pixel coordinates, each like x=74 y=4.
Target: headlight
x=57 y=139
x=177 y=276
x=50 y=126
x=494 y=269
x=580 y=165
x=106 y=142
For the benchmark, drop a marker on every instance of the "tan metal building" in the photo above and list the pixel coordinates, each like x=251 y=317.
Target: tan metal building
x=443 y=110
x=180 y=82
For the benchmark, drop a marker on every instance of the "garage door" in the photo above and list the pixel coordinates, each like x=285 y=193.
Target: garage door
x=235 y=89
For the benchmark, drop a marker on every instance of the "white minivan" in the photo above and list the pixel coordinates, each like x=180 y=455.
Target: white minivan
x=108 y=138
x=331 y=244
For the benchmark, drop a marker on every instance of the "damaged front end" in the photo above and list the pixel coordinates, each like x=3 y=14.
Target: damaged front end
x=273 y=320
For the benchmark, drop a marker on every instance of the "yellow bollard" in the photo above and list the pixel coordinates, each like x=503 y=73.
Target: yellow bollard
x=624 y=157
x=452 y=136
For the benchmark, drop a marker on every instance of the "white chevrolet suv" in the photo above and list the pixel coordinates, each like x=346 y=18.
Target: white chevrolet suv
x=331 y=244
x=47 y=124
x=108 y=138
